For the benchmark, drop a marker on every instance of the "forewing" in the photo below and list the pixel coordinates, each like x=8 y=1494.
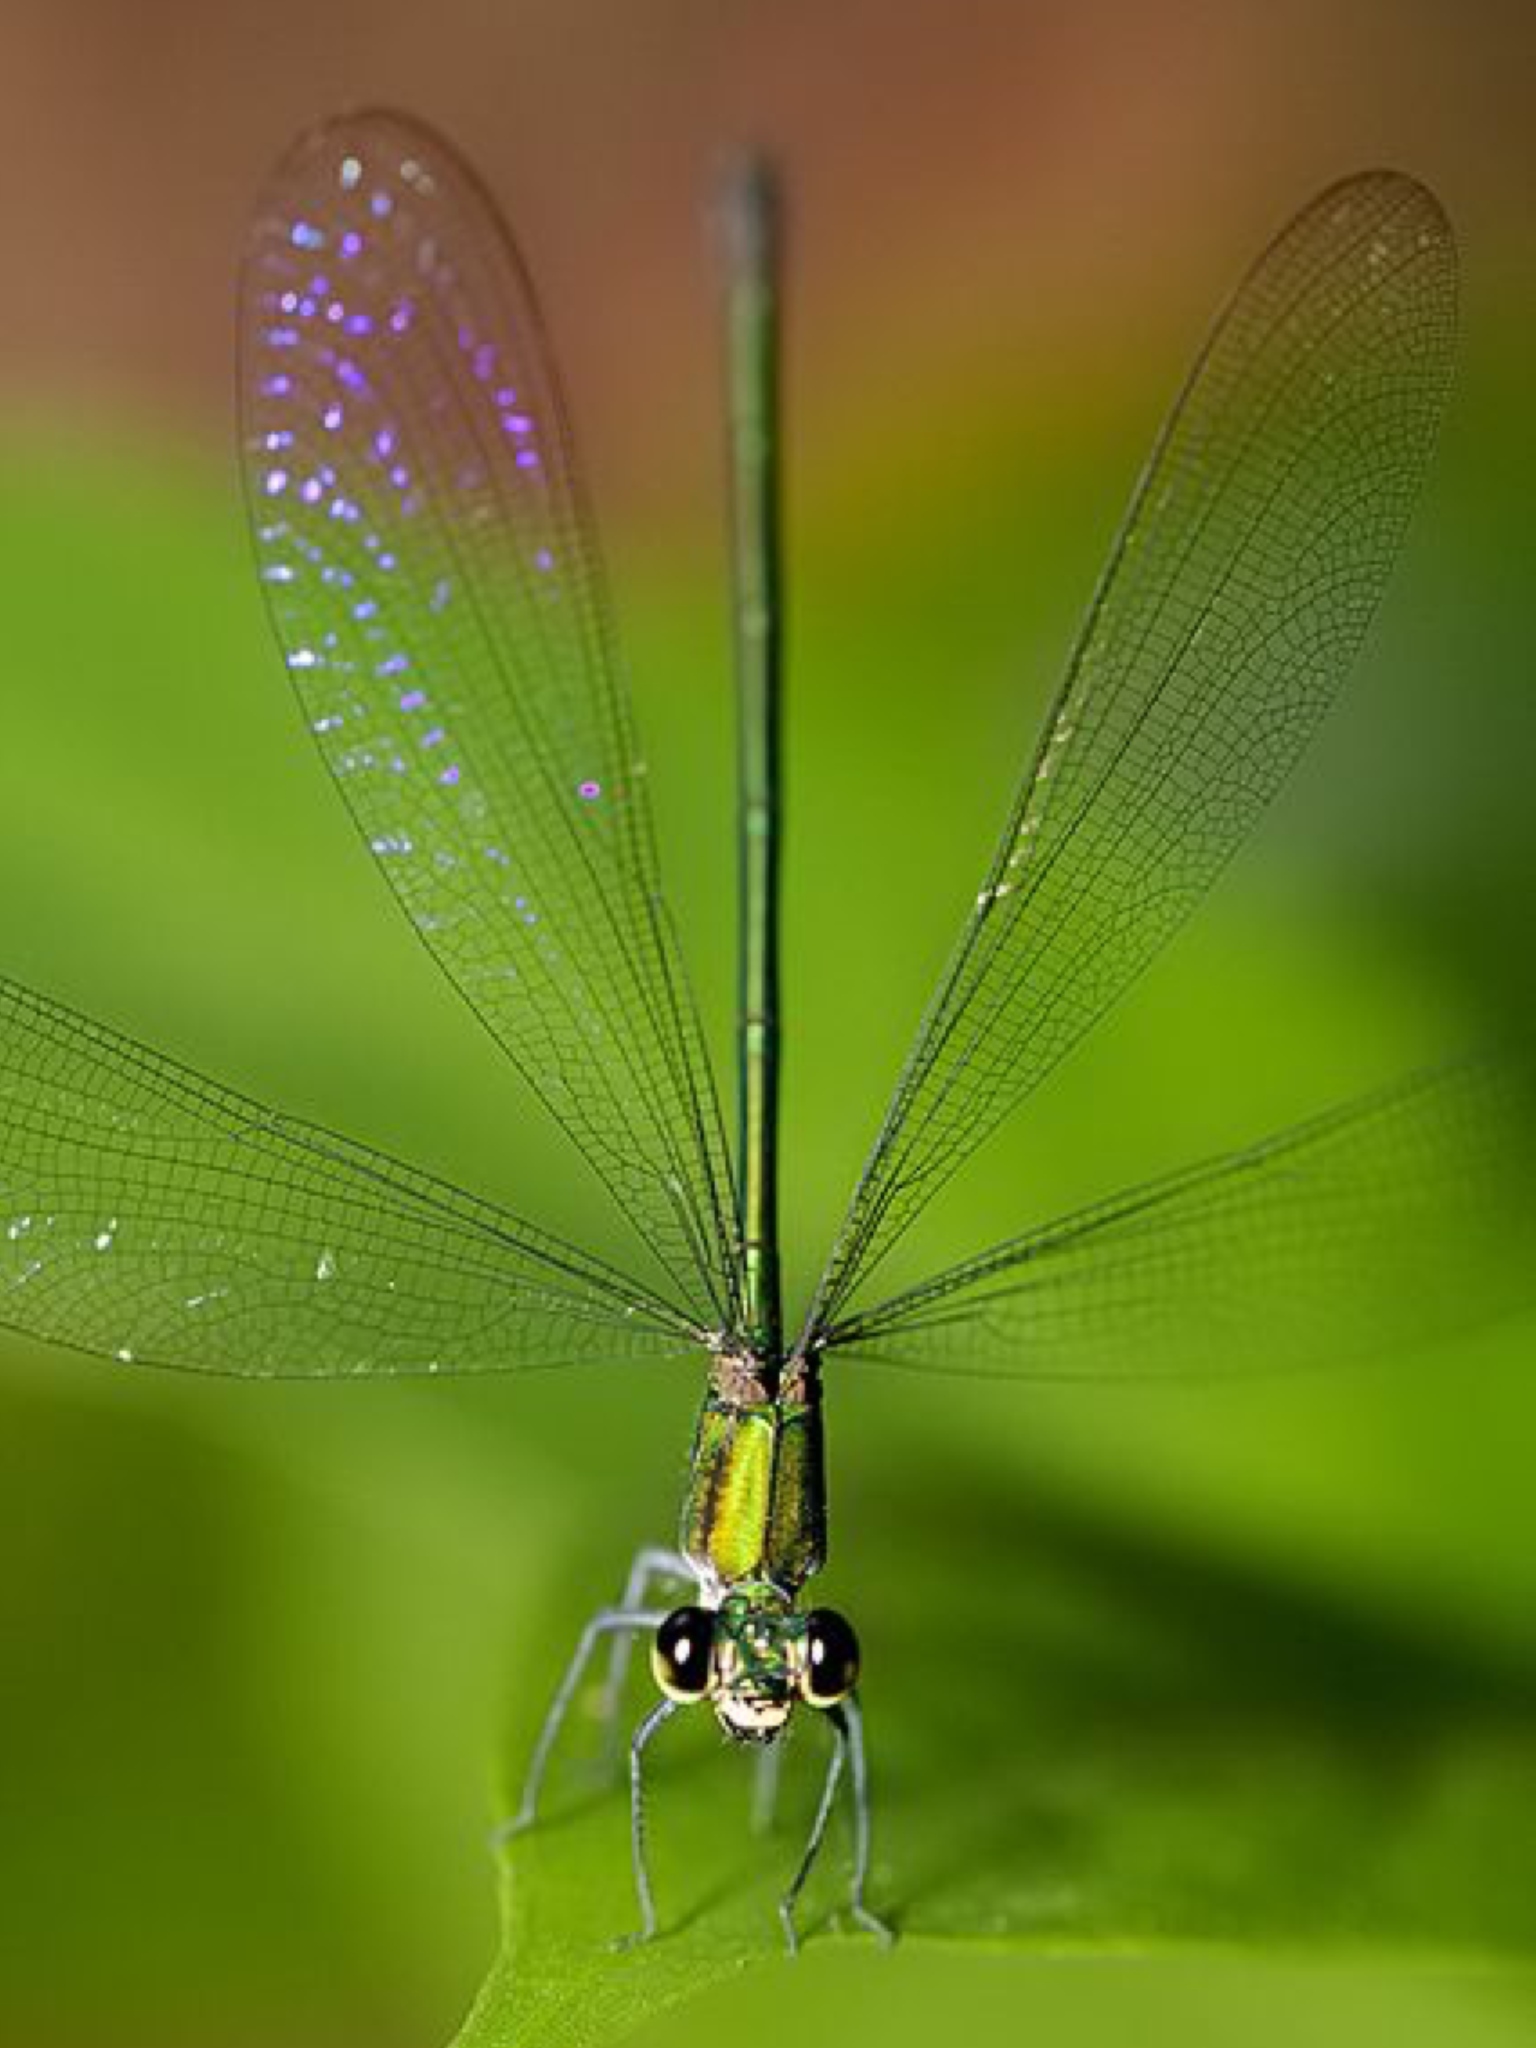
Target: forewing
x=433 y=580
x=149 y=1215
x=1388 y=1223
x=1237 y=593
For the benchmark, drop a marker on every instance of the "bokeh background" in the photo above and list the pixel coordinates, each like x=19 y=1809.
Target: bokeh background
x=260 y=1648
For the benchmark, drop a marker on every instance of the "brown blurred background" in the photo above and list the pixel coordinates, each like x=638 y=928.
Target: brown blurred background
x=1033 y=179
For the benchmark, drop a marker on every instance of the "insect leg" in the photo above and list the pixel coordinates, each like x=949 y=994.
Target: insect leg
x=650 y=1564
x=765 y=1786
x=816 y=1837
x=608 y=1621
x=660 y=1713
x=849 y=1722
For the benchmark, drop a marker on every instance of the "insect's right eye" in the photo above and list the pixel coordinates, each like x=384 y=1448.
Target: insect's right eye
x=681 y=1654
x=832 y=1658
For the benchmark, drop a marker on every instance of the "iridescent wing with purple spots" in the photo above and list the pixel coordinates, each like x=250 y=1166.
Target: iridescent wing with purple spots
x=432 y=578
x=149 y=1215
x=1235 y=599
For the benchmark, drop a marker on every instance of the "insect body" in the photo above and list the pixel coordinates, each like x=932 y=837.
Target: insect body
x=428 y=562
x=756 y=1509
x=753 y=1531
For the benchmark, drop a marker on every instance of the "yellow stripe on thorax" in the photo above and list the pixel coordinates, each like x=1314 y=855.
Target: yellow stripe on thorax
x=725 y=1518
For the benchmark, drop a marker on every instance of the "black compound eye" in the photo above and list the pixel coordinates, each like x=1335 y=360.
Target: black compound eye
x=831 y=1658
x=681 y=1653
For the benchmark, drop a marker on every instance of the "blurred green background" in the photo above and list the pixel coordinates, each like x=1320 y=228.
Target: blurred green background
x=263 y=1648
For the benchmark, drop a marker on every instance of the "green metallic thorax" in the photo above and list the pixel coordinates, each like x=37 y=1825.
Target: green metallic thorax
x=756 y=1508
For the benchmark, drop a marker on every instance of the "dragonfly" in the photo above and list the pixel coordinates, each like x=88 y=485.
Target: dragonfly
x=428 y=560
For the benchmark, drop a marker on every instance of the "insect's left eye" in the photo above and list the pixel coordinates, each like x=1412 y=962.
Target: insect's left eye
x=681 y=1654
x=831 y=1658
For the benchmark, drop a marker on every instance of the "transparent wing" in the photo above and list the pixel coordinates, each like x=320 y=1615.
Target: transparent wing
x=1394 y=1220
x=1236 y=596
x=433 y=579
x=151 y=1216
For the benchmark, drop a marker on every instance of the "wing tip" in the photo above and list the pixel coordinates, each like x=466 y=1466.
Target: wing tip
x=1382 y=191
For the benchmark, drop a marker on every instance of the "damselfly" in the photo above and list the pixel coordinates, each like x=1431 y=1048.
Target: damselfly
x=430 y=570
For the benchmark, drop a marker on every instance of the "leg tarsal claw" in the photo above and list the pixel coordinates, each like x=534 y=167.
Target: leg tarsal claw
x=787 y=1922
x=871 y=1923
x=624 y=1944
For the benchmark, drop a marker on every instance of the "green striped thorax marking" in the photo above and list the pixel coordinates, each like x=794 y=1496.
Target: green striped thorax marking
x=756 y=1505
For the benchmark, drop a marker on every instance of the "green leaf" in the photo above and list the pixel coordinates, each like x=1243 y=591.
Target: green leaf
x=1088 y=1733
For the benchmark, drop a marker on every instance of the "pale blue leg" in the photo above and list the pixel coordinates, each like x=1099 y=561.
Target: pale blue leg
x=661 y=1713
x=766 y=1770
x=649 y=1565
x=611 y=1621
x=850 y=1723
x=813 y=1844
x=848 y=1730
